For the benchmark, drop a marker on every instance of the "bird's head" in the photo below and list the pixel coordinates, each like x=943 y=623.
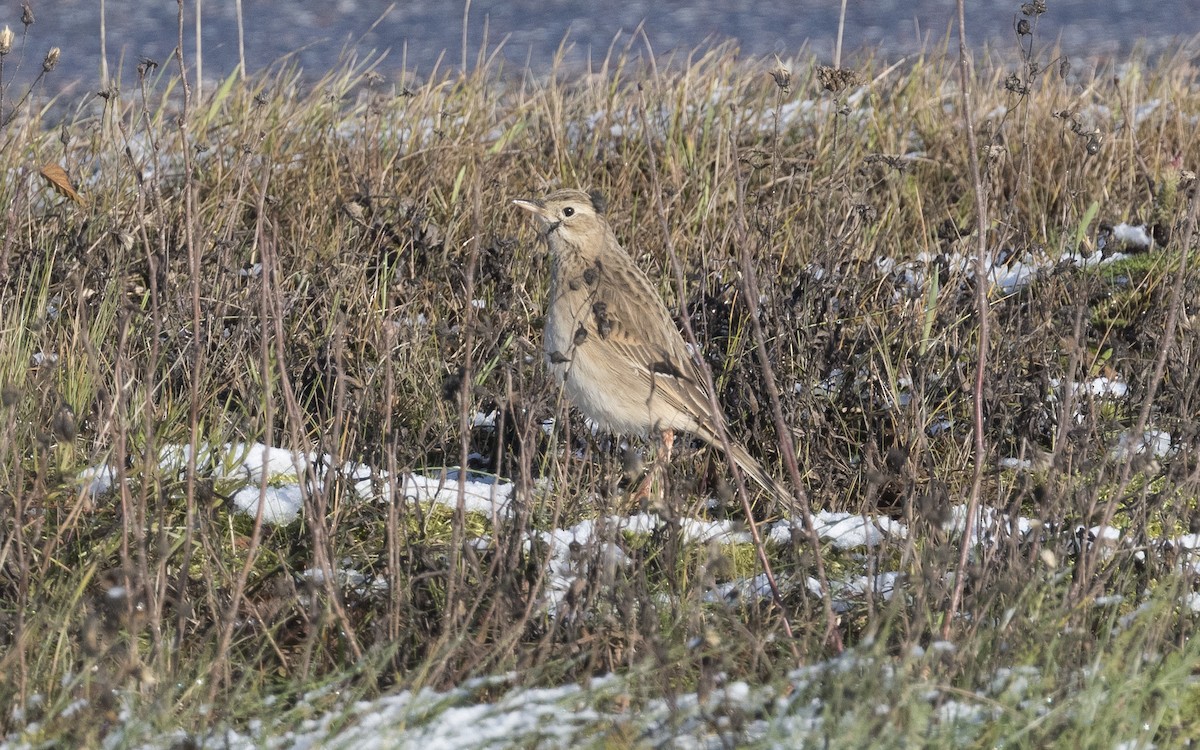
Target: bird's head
x=571 y=214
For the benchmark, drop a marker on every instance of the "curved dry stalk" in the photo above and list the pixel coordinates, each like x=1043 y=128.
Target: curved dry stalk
x=981 y=310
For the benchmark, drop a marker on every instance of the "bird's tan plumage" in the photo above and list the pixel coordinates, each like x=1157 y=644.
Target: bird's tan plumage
x=610 y=341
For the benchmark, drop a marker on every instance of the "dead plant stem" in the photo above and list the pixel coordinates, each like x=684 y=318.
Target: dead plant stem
x=982 y=312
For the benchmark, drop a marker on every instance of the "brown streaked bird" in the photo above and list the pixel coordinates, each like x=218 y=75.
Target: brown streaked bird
x=610 y=341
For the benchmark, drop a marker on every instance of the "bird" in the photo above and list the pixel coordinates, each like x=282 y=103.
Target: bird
x=611 y=344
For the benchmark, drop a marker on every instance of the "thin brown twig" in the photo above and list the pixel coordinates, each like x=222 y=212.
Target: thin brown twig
x=220 y=663
x=787 y=449
x=981 y=310
x=453 y=611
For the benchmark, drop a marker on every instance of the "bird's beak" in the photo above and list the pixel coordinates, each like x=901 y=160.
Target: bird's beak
x=532 y=205
x=538 y=209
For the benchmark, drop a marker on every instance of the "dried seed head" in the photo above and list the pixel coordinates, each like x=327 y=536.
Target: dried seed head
x=1014 y=84
x=866 y=212
x=782 y=76
x=6 y=41
x=26 y=15
x=834 y=80
x=63 y=424
x=51 y=59
x=1023 y=27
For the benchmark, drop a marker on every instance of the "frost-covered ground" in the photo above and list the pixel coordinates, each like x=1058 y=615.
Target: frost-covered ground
x=274 y=481
x=731 y=715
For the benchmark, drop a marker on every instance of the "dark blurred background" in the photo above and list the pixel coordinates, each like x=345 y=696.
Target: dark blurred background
x=419 y=34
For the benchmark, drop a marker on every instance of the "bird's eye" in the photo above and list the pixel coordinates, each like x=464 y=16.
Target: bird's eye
x=568 y=212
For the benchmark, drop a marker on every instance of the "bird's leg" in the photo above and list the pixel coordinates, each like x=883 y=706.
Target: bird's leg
x=659 y=466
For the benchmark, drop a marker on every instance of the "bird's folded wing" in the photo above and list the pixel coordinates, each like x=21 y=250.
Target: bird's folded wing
x=635 y=333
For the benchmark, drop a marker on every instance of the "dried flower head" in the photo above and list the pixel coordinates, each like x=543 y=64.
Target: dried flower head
x=1014 y=84
x=6 y=41
x=834 y=80
x=782 y=76
x=26 y=15
x=1034 y=8
x=51 y=59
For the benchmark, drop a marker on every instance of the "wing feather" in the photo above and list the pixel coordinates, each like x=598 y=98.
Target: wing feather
x=635 y=330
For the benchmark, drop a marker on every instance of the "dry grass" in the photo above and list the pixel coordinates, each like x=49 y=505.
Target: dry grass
x=294 y=263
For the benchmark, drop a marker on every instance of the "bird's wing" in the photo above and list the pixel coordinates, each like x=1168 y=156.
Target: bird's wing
x=627 y=323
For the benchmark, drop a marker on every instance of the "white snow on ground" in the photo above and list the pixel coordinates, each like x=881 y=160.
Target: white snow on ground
x=843 y=530
x=495 y=712
x=280 y=479
x=1133 y=237
x=1101 y=387
x=280 y=505
x=1005 y=272
x=1155 y=442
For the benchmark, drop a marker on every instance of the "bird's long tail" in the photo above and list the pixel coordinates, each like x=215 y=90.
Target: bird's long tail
x=748 y=464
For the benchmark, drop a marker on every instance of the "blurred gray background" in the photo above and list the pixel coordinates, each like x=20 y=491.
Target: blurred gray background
x=315 y=32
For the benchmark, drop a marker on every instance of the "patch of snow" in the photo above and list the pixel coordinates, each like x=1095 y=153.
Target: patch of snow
x=280 y=505
x=844 y=530
x=960 y=712
x=1132 y=236
x=1103 y=386
x=883 y=585
x=490 y=498
x=1155 y=442
x=990 y=523
x=754 y=587
x=1145 y=109
x=939 y=426
x=1017 y=275
x=96 y=480
x=289 y=475
x=1189 y=541
x=1013 y=463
